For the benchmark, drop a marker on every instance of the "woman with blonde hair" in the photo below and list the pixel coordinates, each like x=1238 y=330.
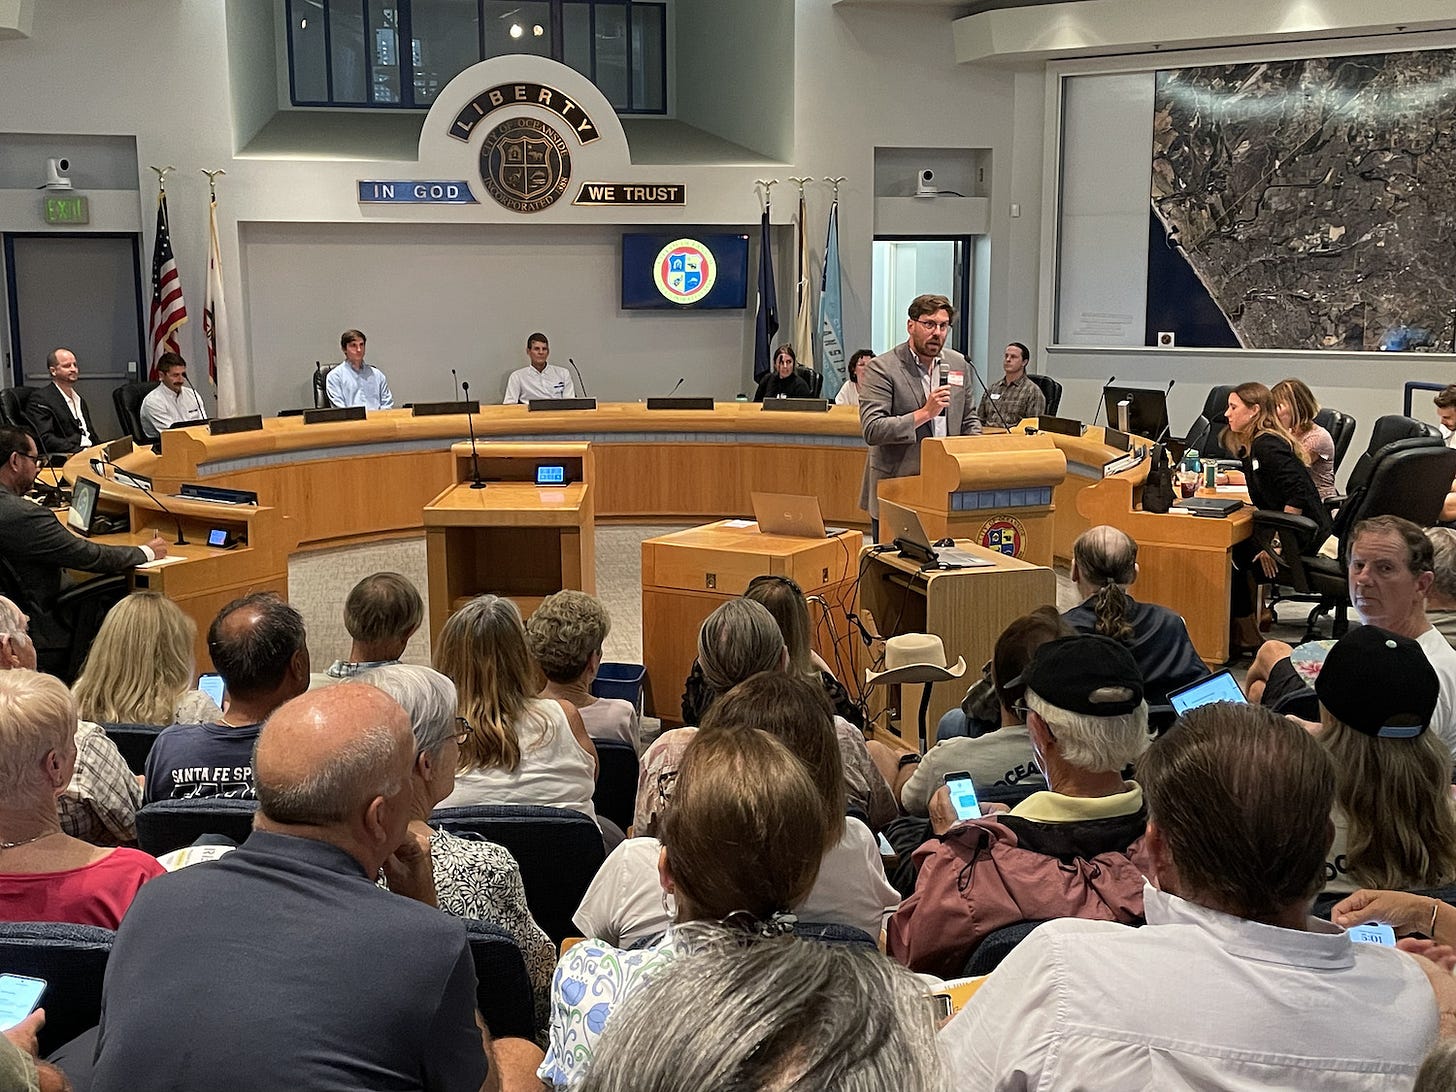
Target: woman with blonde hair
x=1278 y=479
x=1296 y=407
x=141 y=667
x=519 y=749
x=1394 y=822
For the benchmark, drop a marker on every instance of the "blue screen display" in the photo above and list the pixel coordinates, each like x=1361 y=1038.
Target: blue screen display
x=639 y=260
x=551 y=475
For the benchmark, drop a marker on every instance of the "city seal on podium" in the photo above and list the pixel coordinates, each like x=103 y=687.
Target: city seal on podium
x=525 y=164
x=1004 y=534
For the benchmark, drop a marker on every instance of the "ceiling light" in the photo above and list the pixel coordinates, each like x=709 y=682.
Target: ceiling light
x=516 y=30
x=538 y=30
x=303 y=24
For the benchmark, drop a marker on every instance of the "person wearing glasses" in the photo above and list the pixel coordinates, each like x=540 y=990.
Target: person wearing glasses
x=38 y=548
x=916 y=391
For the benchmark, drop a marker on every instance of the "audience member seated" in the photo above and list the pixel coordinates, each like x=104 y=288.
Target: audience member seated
x=1230 y=984
x=474 y=878
x=1002 y=757
x=566 y=633
x=1296 y=407
x=100 y=804
x=848 y=394
x=1276 y=472
x=1441 y=595
x=1421 y=921
x=785 y=601
x=282 y=964
x=258 y=646
x=824 y=1017
x=20 y=1068
x=521 y=749
x=625 y=903
x=1075 y=850
x=741 y=844
x=1391 y=566
x=141 y=667
x=783 y=379
x=45 y=874
x=382 y=612
x=737 y=641
x=1104 y=563
x=1394 y=824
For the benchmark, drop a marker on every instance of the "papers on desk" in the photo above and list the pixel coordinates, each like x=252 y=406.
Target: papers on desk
x=170 y=559
x=738 y=523
x=1236 y=490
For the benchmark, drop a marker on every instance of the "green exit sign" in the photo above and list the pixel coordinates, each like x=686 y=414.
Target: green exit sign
x=67 y=210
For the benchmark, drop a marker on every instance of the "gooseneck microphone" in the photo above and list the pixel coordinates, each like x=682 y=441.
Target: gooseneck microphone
x=475 y=480
x=1102 y=397
x=675 y=386
x=181 y=540
x=1164 y=434
x=456 y=378
x=581 y=383
x=196 y=394
x=994 y=399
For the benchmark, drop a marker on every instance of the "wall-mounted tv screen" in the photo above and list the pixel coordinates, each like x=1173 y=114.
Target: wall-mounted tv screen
x=684 y=271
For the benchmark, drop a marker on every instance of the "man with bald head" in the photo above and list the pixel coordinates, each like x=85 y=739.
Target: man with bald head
x=259 y=647
x=282 y=964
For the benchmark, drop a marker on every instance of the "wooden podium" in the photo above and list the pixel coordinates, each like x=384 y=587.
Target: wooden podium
x=995 y=490
x=966 y=608
x=512 y=537
x=686 y=575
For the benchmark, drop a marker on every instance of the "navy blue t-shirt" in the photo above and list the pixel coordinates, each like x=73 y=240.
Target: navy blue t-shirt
x=190 y=760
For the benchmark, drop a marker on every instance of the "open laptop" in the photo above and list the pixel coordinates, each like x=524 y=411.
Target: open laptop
x=791 y=515
x=899 y=524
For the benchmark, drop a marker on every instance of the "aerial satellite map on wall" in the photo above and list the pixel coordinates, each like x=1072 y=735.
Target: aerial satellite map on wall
x=1313 y=201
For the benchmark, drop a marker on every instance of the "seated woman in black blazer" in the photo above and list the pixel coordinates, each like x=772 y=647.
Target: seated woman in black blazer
x=784 y=378
x=1276 y=472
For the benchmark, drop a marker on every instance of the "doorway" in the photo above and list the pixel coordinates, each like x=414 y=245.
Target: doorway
x=904 y=268
x=84 y=292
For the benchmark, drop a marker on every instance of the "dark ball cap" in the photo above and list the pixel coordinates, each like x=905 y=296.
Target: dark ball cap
x=1086 y=673
x=1379 y=684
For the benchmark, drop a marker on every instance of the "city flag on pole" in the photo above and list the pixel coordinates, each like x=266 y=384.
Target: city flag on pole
x=767 y=322
x=804 y=297
x=169 y=311
x=215 y=324
x=831 y=323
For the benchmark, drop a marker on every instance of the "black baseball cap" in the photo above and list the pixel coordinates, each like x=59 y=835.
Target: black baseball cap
x=1086 y=673
x=1397 y=706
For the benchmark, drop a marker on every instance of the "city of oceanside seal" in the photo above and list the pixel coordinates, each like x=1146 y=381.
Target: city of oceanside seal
x=525 y=164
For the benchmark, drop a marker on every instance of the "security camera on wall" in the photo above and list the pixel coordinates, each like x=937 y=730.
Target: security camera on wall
x=925 y=183
x=55 y=177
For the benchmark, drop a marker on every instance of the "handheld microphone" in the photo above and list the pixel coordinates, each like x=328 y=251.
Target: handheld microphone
x=994 y=399
x=456 y=378
x=1102 y=397
x=579 y=381
x=475 y=481
x=675 y=386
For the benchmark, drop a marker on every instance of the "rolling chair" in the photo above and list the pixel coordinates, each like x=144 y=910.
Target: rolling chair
x=127 y=399
x=1051 y=389
x=559 y=852
x=79 y=609
x=14 y=406
x=320 y=384
x=72 y=959
x=1214 y=413
x=1341 y=427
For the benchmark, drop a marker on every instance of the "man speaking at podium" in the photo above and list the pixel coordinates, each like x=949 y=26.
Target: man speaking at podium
x=913 y=392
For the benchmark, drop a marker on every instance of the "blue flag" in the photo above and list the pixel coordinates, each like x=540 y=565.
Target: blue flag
x=767 y=324
x=831 y=324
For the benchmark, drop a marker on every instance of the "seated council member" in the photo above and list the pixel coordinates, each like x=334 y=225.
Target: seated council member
x=849 y=393
x=62 y=418
x=538 y=379
x=783 y=379
x=39 y=547
x=173 y=400
x=1014 y=396
x=352 y=382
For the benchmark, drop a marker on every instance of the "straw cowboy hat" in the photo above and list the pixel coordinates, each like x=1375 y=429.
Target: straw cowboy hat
x=915 y=658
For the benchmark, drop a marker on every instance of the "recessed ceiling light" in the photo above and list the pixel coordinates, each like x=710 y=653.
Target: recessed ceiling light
x=516 y=30
x=538 y=30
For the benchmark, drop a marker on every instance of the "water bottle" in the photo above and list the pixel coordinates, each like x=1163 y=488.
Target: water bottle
x=1190 y=460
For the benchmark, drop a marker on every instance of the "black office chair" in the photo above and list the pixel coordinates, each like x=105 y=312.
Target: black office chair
x=134 y=741
x=1215 y=412
x=165 y=825
x=320 y=385
x=503 y=988
x=1341 y=427
x=559 y=852
x=79 y=610
x=1408 y=478
x=72 y=960
x=615 y=797
x=127 y=399
x=814 y=379
x=14 y=407
x=1050 y=389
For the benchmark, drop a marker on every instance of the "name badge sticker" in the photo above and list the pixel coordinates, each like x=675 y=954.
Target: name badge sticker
x=956 y=379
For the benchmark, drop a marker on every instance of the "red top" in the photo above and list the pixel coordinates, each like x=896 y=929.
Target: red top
x=94 y=894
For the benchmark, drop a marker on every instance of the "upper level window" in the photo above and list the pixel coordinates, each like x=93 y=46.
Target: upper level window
x=399 y=53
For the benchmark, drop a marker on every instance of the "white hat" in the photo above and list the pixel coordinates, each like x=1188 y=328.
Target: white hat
x=915 y=658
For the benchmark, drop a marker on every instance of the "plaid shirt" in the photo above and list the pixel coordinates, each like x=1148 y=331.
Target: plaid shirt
x=1020 y=400
x=100 y=804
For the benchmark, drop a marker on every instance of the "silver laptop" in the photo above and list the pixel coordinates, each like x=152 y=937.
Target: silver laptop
x=791 y=515
x=900 y=523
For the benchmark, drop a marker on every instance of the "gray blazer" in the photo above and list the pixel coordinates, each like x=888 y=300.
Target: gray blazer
x=891 y=389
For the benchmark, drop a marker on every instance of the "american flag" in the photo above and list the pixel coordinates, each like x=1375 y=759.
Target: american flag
x=168 y=309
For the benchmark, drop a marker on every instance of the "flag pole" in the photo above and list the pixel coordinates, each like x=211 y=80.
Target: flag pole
x=766 y=320
x=803 y=328
x=214 y=313
x=212 y=181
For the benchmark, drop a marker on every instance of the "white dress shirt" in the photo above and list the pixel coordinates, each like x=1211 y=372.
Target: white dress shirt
x=163 y=407
x=73 y=403
x=527 y=383
x=1195 y=999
